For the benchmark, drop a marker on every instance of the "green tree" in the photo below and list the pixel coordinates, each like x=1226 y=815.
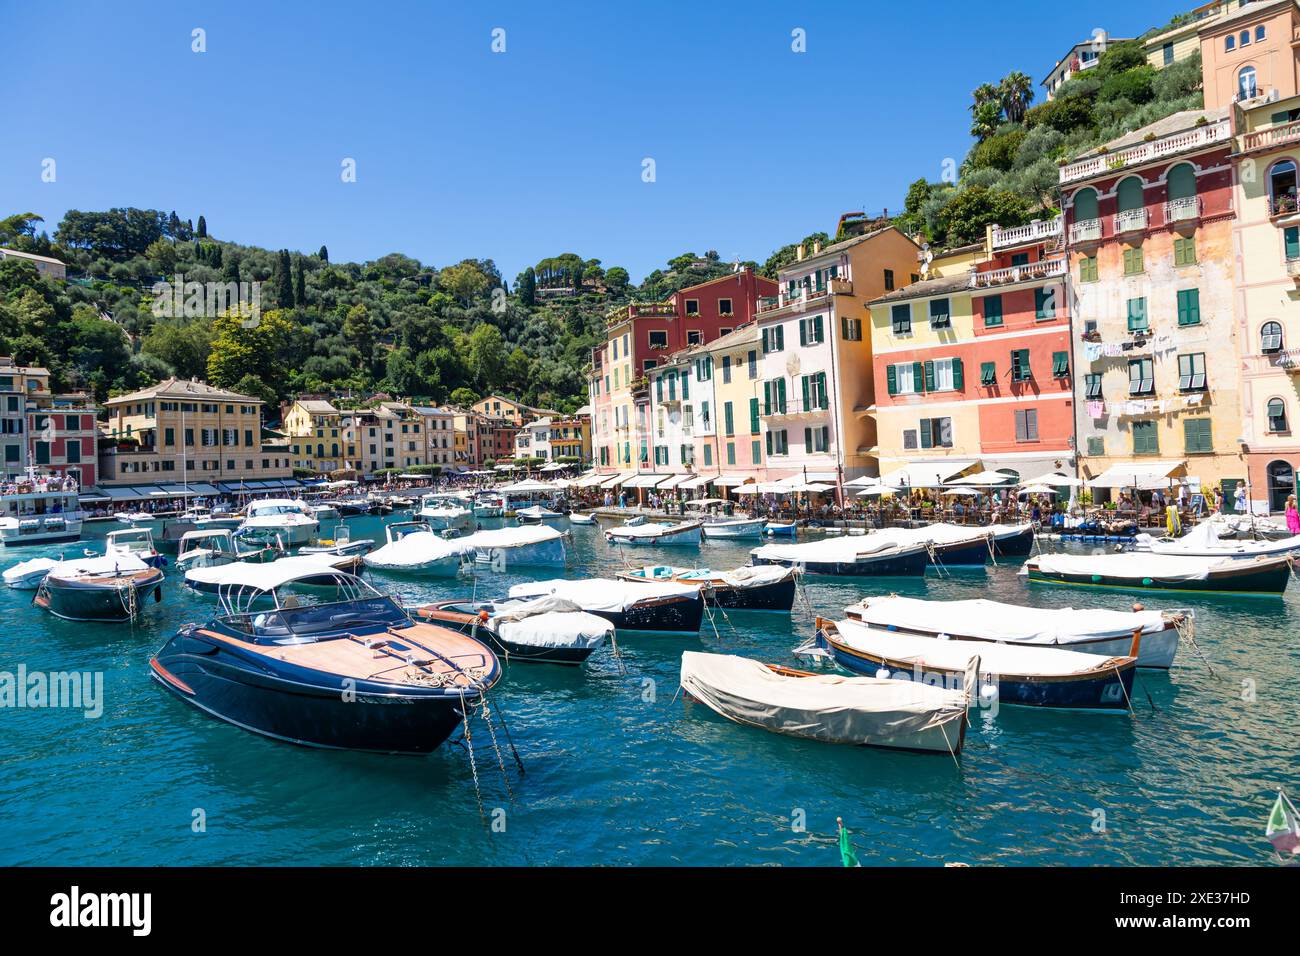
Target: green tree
x=283 y=281
x=202 y=232
x=1015 y=93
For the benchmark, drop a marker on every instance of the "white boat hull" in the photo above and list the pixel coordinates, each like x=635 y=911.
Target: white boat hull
x=735 y=529
x=16 y=534
x=540 y=554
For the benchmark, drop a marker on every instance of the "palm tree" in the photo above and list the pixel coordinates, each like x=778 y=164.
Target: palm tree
x=985 y=93
x=1015 y=93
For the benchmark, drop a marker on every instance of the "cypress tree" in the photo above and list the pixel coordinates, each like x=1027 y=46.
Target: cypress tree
x=284 y=281
x=299 y=284
x=323 y=255
x=528 y=288
x=203 y=228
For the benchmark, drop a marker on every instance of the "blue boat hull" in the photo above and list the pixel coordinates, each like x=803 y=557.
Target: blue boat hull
x=904 y=565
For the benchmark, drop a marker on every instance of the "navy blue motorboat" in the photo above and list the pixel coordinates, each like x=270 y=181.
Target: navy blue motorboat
x=330 y=662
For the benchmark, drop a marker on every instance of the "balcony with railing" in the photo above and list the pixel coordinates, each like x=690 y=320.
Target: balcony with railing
x=1187 y=209
x=1283 y=204
x=1210 y=134
x=1036 y=231
x=1269 y=137
x=803 y=297
x=1034 y=271
x=1086 y=230
x=796 y=407
x=1130 y=220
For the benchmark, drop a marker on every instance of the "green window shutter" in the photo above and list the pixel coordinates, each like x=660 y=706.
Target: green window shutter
x=803 y=332
x=1189 y=307
x=726 y=417
x=686 y=384
x=1096 y=445
x=769 y=443
x=1137 y=314
x=753 y=416
x=780 y=338
x=780 y=395
x=918 y=377
x=767 y=398
x=988 y=373
x=807 y=440
x=659 y=388
x=825 y=396
x=819 y=330
x=1291 y=237
x=929 y=376
x=1196 y=435
x=765 y=347
x=1060 y=364
x=1044 y=304
x=927 y=439
x=804 y=382
x=891 y=378
x=1088 y=269
x=958 y=380
x=992 y=310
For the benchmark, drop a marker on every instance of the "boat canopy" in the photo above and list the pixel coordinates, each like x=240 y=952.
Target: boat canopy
x=604 y=594
x=265 y=576
x=848 y=548
x=119 y=562
x=529 y=486
x=514 y=537
x=416 y=548
x=996 y=621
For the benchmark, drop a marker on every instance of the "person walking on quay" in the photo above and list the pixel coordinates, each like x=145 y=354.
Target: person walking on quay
x=1292 y=516
x=1240 y=497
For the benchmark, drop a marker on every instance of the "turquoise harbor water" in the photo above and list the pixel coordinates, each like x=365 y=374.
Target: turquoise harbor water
x=620 y=772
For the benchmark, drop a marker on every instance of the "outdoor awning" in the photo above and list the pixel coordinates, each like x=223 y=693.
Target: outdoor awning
x=527 y=487
x=930 y=474
x=673 y=481
x=618 y=479
x=644 y=481
x=732 y=481
x=203 y=488
x=1143 y=475
x=865 y=481
x=985 y=478
x=587 y=481
x=123 y=494
x=699 y=481
x=93 y=496
x=553 y=466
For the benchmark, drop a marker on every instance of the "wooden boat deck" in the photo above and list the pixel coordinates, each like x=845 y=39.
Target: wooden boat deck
x=437 y=656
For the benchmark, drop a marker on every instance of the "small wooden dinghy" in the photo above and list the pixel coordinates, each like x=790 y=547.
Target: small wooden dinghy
x=1029 y=676
x=1139 y=571
x=734 y=527
x=578 y=517
x=1092 y=630
x=866 y=711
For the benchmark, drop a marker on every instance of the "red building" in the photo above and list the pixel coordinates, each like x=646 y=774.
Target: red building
x=640 y=336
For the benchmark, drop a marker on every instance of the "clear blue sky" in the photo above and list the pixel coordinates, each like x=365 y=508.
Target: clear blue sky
x=514 y=156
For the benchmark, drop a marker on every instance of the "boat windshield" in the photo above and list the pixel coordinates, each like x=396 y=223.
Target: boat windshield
x=293 y=622
x=261 y=510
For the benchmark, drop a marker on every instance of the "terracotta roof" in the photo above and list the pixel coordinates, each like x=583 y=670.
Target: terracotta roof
x=926 y=288
x=182 y=388
x=1173 y=123
x=837 y=247
x=1249 y=11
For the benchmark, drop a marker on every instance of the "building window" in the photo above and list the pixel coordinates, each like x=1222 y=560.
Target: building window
x=1020 y=370
x=774 y=339
x=1185 y=251
x=692 y=306
x=1087 y=269
x=1026 y=424
x=992 y=311
x=778 y=443
x=1141 y=377
x=1060 y=364
x=1291 y=243
x=659 y=340
x=1137 y=315
x=1276 y=415
x=1146 y=438
x=901 y=316
x=1191 y=372
x=936 y=433
x=1092 y=385
x=753 y=364
x=1045 y=303
x=1196 y=436
x=1270 y=337
x=1246 y=86
x=1189 y=306
x=889 y=280
x=816 y=439
x=724 y=307
x=1244 y=38
x=909 y=439
x=774 y=397
x=694 y=337
x=1260 y=33
x=756 y=452
x=940 y=314
x=1133 y=263
x=988 y=373
x=726 y=369
x=903 y=379
x=1167 y=51
x=850 y=329
x=1229 y=43
x=1282 y=188
x=1096 y=445
x=811 y=331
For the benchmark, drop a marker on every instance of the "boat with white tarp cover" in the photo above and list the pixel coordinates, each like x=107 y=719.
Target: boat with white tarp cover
x=856 y=555
x=683 y=533
x=749 y=588
x=1142 y=571
x=833 y=708
x=1204 y=541
x=413 y=548
x=521 y=545
x=660 y=607
x=1013 y=673
x=545 y=630
x=1091 y=630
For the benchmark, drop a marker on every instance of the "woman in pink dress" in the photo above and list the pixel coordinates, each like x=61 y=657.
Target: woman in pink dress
x=1292 y=516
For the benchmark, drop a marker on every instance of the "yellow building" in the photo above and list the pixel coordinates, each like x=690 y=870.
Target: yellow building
x=314 y=428
x=571 y=438
x=516 y=413
x=187 y=430
x=1267 y=240
x=1178 y=43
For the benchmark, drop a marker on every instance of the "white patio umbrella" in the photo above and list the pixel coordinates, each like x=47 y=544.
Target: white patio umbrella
x=878 y=490
x=990 y=478
x=962 y=492
x=865 y=481
x=526 y=487
x=1037 y=490
x=1057 y=480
